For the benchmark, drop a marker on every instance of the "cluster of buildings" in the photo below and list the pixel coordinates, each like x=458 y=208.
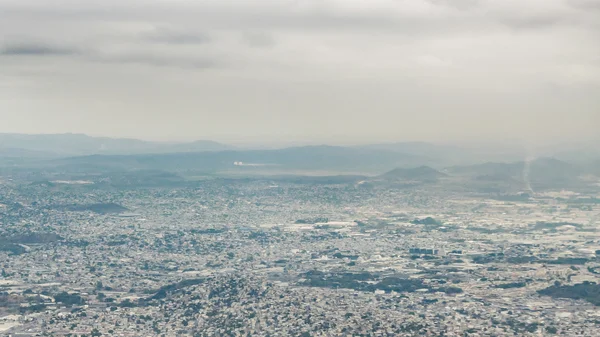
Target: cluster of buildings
x=230 y=259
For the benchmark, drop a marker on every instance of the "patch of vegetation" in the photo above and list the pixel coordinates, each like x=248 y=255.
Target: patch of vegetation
x=451 y=290
x=486 y=230
x=427 y=221
x=500 y=257
x=208 y=231
x=100 y=208
x=567 y=260
x=511 y=285
x=553 y=226
x=588 y=291
x=312 y=221
x=339 y=255
x=12 y=248
x=521 y=259
x=127 y=304
x=12 y=243
x=69 y=299
x=35 y=238
x=368 y=282
x=592 y=200
x=170 y=288
x=594 y=270
x=34 y=308
x=488 y=258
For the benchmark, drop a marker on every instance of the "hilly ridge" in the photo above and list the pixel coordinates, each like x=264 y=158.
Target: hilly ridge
x=335 y=158
x=130 y=162
x=60 y=145
x=538 y=173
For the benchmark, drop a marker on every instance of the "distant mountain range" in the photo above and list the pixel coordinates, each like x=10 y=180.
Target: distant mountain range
x=60 y=145
x=452 y=154
x=538 y=173
x=547 y=168
x=307 y=158
x=402 y=162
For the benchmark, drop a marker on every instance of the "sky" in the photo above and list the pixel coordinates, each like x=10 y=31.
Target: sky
x=327 y=71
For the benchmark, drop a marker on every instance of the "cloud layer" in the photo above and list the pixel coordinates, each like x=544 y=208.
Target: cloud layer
x=310 y=70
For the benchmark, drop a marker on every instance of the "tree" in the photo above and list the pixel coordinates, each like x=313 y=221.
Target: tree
x=69 y=299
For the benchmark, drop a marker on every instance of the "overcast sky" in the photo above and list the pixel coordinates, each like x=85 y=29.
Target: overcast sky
x=333 y=71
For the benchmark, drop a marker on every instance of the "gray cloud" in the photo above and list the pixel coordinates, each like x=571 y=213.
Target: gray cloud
x=35 y=49
x=131 y=55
